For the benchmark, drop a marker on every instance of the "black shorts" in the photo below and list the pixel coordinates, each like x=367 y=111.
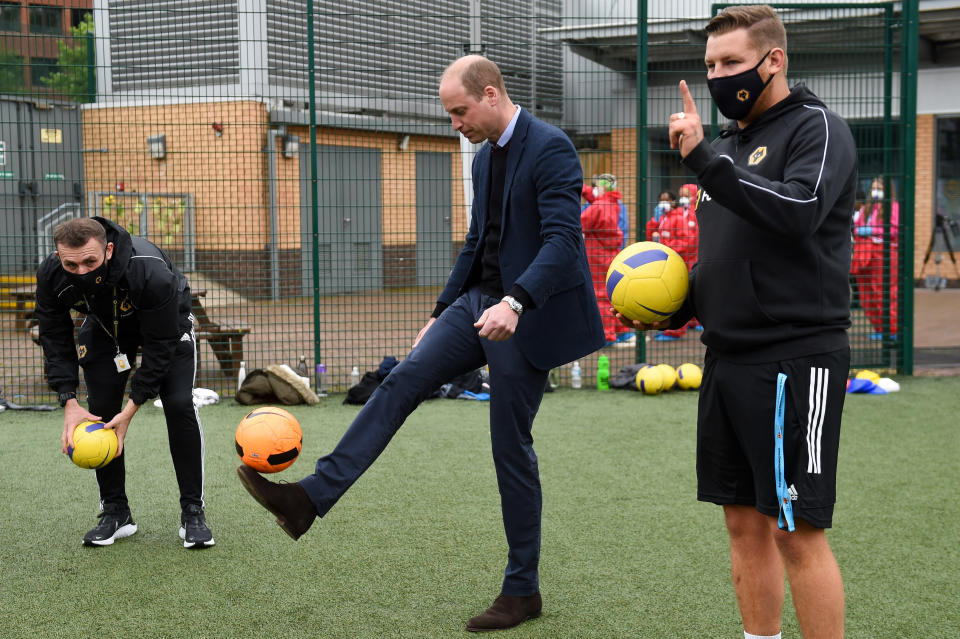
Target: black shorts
x=735 y=433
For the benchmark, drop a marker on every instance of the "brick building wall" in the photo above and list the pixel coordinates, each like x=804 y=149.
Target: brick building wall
x=623 y=164
x=926 y=188
x=925 y=181
x=398 y=187
x=227 y=173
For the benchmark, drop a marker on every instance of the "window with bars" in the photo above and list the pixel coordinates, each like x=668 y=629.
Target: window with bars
x=40 y=67
x=9 y=17
x=46 y=19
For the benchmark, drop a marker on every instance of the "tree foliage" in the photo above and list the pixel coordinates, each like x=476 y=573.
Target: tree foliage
x=11 y=72
x=72 y=77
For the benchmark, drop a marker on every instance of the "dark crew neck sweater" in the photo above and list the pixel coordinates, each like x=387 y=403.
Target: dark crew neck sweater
x=488 y=276
x=490 y=281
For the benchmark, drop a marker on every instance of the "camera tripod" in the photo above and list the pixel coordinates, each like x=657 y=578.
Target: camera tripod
x=939 y=226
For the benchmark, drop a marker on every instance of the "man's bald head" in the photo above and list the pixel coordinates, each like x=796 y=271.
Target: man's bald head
x=475 y=73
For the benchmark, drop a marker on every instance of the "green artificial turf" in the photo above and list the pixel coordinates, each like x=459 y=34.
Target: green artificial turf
x=417 y=547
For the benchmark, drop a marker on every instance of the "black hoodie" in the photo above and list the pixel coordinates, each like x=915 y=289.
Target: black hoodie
x=774 y=209
x=154 y=312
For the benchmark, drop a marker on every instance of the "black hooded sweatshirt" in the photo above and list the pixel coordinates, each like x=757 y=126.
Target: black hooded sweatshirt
x=153 y=301
x=774 y=209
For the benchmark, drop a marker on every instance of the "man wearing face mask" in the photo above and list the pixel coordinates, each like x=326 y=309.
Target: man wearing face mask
x=133 y=297
x=771 y=289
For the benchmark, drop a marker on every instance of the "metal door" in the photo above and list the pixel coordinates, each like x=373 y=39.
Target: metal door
x=41 y=176
x=58 y=173
x=349 y=246
x=434 y=208
x=11 y=183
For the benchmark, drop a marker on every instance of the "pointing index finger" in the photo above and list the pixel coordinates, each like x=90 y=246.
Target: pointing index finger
x=689 y=106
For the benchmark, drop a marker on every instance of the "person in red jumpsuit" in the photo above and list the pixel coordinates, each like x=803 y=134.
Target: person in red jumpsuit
x=868 y=257
x=603 y=238
x=665 y=204
x=678 y=229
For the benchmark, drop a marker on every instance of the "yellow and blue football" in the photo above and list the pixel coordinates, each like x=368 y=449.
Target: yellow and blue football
x=647 y=281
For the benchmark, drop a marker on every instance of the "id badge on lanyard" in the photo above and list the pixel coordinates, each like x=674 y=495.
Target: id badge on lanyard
x=123 y=364
x=120 y=360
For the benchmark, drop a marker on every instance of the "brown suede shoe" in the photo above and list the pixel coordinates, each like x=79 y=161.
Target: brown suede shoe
x=507 y=612
x=289 y=502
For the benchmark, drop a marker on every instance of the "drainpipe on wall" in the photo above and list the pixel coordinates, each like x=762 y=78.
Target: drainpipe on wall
x=272 y=136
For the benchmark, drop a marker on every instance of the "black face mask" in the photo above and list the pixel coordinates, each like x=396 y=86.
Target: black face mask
x=736 y=94
x=89 y=282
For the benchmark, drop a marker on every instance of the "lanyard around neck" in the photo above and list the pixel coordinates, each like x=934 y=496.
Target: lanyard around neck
x=115 y=336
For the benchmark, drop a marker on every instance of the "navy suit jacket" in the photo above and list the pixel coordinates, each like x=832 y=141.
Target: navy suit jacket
x=541 y=244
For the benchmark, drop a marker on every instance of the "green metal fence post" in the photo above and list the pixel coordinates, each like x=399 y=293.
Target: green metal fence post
x=908 y=117
x=314 y=191
x=91 y=69
x=641 y=141
x=887 y=163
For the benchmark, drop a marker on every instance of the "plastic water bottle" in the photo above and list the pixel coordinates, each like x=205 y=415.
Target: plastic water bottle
x=302 y=366
x=576 y=379
x=354 y=377
x=241 y=374
x=321 y=370
x=603 y=373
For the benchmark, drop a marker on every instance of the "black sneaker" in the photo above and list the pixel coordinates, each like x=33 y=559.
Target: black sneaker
x=113 y=525
x=193 y=528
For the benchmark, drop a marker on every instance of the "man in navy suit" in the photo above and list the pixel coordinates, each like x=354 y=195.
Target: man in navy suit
x=519 y=298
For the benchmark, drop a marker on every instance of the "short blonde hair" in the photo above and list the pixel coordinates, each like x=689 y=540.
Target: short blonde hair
x=762 y=23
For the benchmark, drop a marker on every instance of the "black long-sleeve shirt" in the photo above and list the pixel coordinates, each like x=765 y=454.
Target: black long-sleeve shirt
x=774 y=210
x=153 y=300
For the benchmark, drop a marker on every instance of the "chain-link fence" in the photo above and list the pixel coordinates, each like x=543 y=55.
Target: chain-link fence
x=293 y=158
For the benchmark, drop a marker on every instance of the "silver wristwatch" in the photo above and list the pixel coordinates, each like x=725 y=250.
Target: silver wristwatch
x=514 y=305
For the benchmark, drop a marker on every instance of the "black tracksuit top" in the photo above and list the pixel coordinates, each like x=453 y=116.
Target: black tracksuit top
x=153 y=300
x=775 y=208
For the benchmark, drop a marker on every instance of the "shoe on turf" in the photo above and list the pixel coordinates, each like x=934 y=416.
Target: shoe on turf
x=193 y=528
x=507 y=612
x=289 y=503
x=114 y=524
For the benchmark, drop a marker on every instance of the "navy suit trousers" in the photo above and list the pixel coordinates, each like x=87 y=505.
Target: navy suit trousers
x=452 y=347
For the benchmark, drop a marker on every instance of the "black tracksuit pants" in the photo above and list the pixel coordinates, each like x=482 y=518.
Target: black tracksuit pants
x=105 y=396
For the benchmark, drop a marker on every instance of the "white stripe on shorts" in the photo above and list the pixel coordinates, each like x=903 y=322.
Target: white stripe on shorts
x=816 y=410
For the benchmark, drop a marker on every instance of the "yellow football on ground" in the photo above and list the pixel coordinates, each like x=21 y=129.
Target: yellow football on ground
x=649 y=380
x=669 y=374
x=689 y=376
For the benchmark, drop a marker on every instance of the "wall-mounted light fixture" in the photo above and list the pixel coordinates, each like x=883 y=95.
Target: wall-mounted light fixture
x=404 y=141
x=291 y=145
x=157 y=145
